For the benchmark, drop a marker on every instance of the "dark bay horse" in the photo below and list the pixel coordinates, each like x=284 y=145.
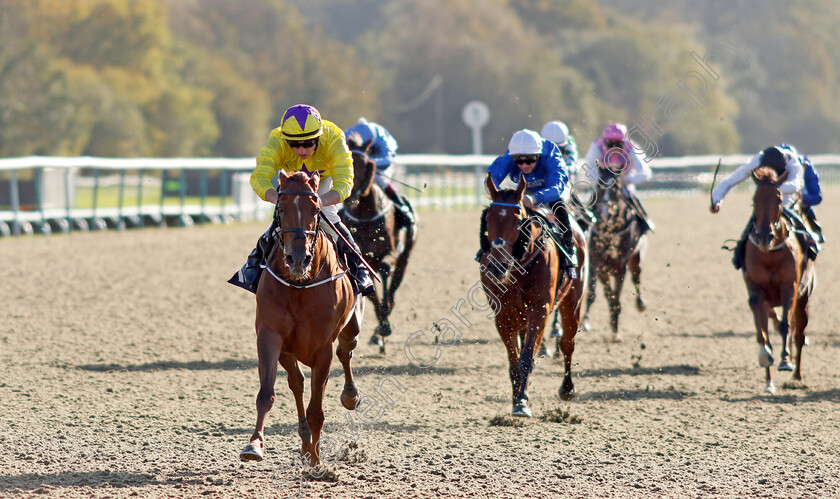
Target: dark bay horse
x=370 y=215
x=777 y=273
x=616 y=244
x=304 y=303
x=520 y=267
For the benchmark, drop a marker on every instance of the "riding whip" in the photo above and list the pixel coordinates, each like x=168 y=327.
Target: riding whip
x=400 y=182
x=712 y=188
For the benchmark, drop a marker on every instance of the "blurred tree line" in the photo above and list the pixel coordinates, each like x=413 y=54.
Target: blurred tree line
x=212 y=77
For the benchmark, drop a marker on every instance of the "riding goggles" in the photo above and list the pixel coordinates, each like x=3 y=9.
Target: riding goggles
x=306 y=144
x=525 y=160
x=614 y=144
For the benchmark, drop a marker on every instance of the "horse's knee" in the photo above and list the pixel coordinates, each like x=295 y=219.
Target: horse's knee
x=754 y=300
x=315 y=417
x=265 y=400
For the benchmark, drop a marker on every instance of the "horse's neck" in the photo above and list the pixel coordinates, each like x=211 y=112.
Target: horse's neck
x=372 y=203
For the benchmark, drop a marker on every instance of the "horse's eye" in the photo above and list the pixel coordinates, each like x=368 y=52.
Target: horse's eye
x=280 y=212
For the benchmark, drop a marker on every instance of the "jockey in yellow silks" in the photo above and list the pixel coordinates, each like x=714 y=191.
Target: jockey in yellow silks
x=305 y=142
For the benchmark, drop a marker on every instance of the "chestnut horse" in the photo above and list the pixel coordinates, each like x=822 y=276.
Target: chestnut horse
x=616 y=244
x=370 y=215
x=520 y=268
x=304 y=303
x=777 y=272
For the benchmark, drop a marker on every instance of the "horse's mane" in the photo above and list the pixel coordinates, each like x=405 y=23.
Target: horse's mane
x=765 y=174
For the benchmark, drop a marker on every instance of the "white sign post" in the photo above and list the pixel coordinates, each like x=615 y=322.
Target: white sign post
x=476 y=114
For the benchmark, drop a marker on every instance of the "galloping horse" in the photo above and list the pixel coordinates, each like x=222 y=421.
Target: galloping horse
x=520 y=268
x=304 y=303
x=370 y=215
x=777 y=273
x=616 y=244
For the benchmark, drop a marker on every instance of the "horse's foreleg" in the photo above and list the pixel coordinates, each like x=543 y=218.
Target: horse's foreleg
x=800 y=322
x=535 y=328
x=268 y=350
x=510 y=337
x=760 y=309
x=635 y=266
x=347 y=341
x=788 y=306
x=386 y=271
x=571 y=309
x=615 y=300
x=315 y=410
x=399 y=269
x=591 y=281
x=296 y=379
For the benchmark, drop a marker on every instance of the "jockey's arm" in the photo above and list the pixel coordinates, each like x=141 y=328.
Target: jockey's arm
x=500 y=168
x=793 y=184
x=589 y=166
x=736 y=177
x=638 y=172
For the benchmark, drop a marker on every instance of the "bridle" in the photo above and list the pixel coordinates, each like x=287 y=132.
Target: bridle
x=501 y=242
x=775 y=227
x=299 y=232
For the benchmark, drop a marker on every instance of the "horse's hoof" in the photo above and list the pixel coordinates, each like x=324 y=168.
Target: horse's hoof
x=374 y=340
x=350 y=397
x=785 y=365
x=567 y=395
x=350 y=402
x=584 y=325
x=770 y=388
x=543 y=351
x=521 y=411
x=641 y=306
x=555 y=333
x=251 y=453
x=807 y=342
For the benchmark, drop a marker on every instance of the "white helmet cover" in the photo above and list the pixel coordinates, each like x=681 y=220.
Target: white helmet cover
x=556 y=131
x=525 y=142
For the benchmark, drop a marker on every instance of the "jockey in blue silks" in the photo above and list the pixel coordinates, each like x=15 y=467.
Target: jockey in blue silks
x=546 y=181
x=381 y=148
x=781 y=158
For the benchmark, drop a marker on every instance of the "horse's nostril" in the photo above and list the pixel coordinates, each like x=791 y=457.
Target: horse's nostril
x=307 y=260
x=289 y=259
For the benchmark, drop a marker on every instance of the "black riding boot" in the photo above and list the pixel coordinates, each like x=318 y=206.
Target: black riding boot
x=248 y=277
x=816 y=228
x=564 y=231
x=807 y=238
x=740 y=252
x=405 y=214
x=362 y=282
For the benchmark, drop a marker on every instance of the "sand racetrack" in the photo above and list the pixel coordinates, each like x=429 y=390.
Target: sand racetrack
x=128 y=369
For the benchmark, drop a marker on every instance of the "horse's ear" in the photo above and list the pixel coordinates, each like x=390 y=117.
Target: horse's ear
x=314 y=181
x=520 y=189
x=781 y=178
x=491 y=186
x=282 y=174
